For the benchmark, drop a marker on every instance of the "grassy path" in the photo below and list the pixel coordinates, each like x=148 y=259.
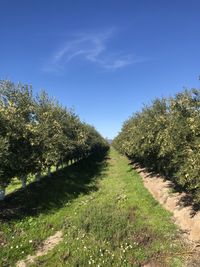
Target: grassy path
x=106 y=215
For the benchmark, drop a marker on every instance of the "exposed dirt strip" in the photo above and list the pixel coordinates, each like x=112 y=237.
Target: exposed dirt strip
x=184 y=216
x=48 y=245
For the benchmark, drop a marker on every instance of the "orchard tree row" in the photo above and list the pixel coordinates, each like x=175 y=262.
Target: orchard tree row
x=165 y=137
x=37 y=133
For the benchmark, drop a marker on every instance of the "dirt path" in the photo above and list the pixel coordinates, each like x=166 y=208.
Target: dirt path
x=48 y=245
x=184 y=216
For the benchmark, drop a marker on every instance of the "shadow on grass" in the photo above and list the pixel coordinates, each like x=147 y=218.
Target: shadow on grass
x=54 y=192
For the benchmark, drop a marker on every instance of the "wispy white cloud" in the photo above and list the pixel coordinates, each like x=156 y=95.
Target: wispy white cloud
x=93 y=48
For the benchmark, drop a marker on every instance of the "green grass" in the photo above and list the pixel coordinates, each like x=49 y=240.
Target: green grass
x=107 y=217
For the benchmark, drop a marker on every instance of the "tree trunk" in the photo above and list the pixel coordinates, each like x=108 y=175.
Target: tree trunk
x=2 y=192
x=23 y=180
x=49 y=171
x=38 y=177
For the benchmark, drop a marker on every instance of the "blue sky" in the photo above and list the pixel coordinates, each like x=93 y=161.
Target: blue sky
x=104 y=58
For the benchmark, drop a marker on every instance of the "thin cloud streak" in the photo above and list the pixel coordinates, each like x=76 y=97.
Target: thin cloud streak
x=94 y=49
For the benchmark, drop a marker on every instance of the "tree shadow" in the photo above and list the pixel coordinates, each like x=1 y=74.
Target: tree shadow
x=52 y=193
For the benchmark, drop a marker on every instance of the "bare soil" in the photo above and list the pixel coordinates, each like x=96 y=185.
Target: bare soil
x=183 y=215
x=48 y=245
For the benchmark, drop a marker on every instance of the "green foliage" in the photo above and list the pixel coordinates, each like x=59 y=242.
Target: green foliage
x=37 y=132
x=165 y=137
